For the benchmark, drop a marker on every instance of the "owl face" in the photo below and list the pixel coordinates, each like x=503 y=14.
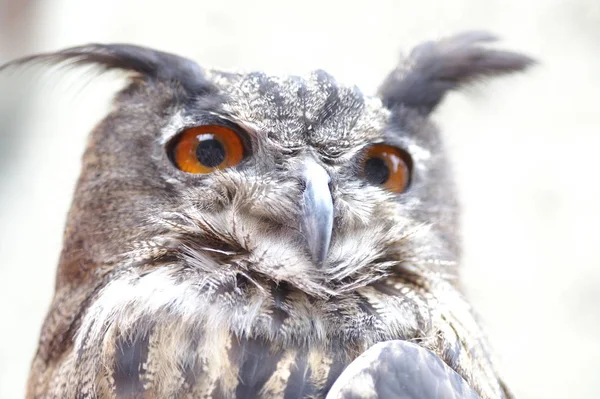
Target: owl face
x=296 y=180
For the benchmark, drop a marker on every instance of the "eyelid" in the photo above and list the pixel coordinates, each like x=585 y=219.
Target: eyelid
x=182 y=121
x=403 y=140
x=243 y=135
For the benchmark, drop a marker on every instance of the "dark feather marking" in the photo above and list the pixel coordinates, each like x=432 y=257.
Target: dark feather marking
x=371 y=314
x=507 y=392
x=229 y=286
x=332 y=104
x=366 y=308
x=335 y=369
x=62 y=339
x=386 y=289
x=302 y=95
x=257 y=363
x=298 y=383
x=434 y=68
x=130 y=355
x=149 y=63
x=190 y=364
x=219 y=392
x=270 y=88
x=279 y=314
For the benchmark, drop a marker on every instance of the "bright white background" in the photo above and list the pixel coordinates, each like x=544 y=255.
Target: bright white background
x=525 y=150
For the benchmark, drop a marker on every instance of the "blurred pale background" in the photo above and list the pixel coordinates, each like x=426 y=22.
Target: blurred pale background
x=525 y=150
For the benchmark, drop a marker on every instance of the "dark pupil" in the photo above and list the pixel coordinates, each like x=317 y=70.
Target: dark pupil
x=376 y=171
x=210 y=153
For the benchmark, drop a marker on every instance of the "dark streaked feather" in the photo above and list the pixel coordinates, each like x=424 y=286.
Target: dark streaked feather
x=130 y=356
x=434 y=68
x=257 y=362
x=298 y=384
x=149 y=63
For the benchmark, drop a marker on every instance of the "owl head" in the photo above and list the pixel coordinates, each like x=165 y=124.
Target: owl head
x=272 y=180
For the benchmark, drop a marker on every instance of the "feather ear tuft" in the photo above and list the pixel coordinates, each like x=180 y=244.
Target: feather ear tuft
x=433 y=68
x=148 y=63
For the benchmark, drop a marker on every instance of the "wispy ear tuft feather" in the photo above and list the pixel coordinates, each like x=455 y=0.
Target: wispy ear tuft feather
x=433 y=68
x=149 y=63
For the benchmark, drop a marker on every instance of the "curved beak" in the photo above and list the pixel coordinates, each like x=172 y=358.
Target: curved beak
x=317 y=211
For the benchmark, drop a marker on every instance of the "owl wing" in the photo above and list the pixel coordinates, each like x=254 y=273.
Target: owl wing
x=400 y=370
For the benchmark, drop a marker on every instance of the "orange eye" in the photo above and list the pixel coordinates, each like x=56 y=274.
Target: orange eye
x=204 y=149
x=387 y=166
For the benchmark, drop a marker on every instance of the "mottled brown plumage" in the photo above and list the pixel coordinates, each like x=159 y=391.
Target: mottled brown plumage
x=202 y=286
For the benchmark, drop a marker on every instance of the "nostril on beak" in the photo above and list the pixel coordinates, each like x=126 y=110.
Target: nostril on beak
x=317 y=211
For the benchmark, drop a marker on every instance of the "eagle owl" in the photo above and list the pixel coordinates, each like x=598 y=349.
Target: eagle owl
x=240 y=235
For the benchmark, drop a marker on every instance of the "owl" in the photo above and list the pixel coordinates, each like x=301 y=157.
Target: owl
x=241 y=235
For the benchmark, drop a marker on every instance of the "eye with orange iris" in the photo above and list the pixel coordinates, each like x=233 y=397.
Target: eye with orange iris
x=387 y=166
x=204 y=149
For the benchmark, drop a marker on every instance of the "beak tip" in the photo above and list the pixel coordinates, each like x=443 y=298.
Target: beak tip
x=318 y=240
x=320 y=255
x=317 y=213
